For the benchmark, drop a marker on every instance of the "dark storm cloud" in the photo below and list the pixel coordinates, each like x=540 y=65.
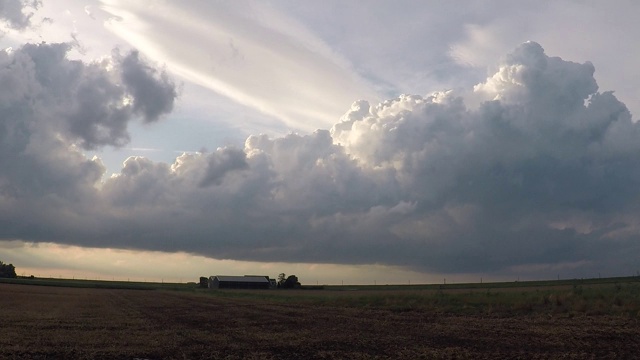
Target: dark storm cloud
x=542 y=175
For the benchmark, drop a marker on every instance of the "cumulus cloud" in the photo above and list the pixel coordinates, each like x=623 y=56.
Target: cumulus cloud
x=542 y=174
x=153 y=92
x=89 y=103
x=15 y=13
x=50 y=108
x=228 y=160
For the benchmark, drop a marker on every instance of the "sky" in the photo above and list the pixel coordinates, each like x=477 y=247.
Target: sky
x=341 y=141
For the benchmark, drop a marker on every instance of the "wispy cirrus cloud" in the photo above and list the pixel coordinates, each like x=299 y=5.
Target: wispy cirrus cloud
x=250 y=53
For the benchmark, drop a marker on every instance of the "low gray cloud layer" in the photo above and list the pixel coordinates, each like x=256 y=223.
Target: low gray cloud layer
x=542 y=175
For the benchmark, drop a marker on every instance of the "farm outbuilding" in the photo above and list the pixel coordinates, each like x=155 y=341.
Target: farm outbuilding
x=239 y=282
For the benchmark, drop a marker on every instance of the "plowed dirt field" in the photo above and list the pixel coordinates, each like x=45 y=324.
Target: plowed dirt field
x=38 y=322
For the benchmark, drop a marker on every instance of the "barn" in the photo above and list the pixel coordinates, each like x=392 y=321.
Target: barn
x=239 y=282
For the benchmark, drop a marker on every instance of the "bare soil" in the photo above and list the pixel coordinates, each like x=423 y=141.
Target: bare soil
x=68 y=323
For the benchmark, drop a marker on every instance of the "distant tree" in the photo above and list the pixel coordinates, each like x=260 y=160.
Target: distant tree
x=7 y=270
x=291 y=282
x=281 y=279
x=204 y=282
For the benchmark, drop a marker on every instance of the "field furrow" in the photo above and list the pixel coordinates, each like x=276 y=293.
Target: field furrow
x=40 y=322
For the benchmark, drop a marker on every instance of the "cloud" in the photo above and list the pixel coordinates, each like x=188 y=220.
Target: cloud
x=250 y=53
x=15 y=12
x=542 y=173
x=51 y=108
x=87 y=103
x=153 y=92
x=227 y=160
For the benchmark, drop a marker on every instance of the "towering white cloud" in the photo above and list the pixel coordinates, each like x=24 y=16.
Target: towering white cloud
x=542 y=174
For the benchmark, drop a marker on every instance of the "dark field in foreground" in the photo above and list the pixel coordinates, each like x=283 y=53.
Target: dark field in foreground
x=38 y=322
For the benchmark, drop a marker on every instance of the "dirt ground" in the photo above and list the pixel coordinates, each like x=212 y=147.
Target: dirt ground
x=38 y=322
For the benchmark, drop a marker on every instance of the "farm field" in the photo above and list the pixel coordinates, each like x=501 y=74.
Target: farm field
x=562 y=322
